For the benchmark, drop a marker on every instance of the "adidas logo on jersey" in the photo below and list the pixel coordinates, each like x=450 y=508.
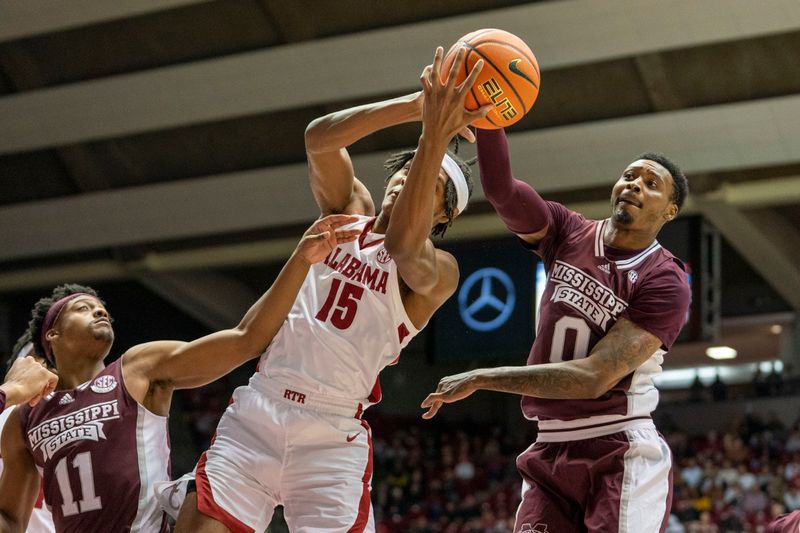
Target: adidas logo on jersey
x=605 y=268
x=67 y=398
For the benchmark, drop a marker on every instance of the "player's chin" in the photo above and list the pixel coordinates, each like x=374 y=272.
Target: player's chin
x=388 y=205
x=623 y=216
x=105 y=334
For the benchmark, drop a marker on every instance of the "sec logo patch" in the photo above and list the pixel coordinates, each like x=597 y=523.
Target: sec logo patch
x=383 y=256
x=104 y=384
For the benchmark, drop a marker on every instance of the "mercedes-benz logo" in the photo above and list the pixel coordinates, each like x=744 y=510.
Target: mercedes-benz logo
x=487 y=311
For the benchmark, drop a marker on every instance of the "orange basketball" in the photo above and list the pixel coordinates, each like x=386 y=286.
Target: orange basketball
x=509 y=79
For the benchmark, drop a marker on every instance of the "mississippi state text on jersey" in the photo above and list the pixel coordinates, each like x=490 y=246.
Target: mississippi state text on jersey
x=99 y=453
x=589 y=287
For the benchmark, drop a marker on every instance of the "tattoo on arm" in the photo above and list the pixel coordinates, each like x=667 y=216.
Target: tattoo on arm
x=552 y=381
x=624 y=349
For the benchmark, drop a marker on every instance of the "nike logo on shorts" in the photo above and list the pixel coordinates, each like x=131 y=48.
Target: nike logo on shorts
x=351 y=439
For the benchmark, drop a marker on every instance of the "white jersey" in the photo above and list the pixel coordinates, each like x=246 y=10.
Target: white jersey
x=347 y=323
x=41 y=520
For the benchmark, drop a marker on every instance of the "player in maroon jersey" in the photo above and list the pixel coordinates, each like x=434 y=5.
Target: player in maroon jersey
x=100 y=441
x=788 y=523
x=27 y=381
x=614 y=302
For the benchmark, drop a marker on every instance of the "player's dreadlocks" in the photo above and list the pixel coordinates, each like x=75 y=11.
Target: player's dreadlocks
x=398 y=160
x=39 y=311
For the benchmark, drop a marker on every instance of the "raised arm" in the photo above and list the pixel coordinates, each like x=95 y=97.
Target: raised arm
x=520 y=207
x=333 y=182
x=624 y=348
x=19 y=484
x=177 y=365
x=443 y=115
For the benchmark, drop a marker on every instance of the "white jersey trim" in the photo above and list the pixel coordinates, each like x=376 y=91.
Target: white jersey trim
x=646 y=483
x=623 y=264
x=153 y=452
x=599 y=246
x=643 y=394
x=562 y=431
x=638 y=258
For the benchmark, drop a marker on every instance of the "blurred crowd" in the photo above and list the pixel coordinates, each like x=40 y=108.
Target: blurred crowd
x=433 y=477
x=736 y=480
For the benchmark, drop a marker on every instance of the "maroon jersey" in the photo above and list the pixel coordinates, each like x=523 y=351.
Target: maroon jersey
x=788 y=523
x=99 y=453
x=589 y=287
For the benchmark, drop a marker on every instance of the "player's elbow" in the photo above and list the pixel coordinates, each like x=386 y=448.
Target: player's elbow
x=246 y=342
x=597 y=389
x=315 y=134
x=600 y=385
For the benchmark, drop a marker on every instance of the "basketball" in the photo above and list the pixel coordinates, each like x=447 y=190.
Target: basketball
x=509 y=79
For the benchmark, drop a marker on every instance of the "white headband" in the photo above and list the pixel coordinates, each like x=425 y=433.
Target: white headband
x=459 y=181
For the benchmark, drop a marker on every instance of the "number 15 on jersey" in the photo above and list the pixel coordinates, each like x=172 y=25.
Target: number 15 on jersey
x=343 y=312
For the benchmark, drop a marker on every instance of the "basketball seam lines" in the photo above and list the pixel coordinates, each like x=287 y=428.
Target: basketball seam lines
x=478 y=33
x=521 y=52
x=511 y=85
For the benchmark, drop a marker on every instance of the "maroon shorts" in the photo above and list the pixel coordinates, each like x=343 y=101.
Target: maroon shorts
x=788 y=523
x=615 y=483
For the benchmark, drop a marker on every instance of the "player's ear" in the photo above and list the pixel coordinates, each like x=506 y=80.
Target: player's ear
x=440 y=216
x=671 y=212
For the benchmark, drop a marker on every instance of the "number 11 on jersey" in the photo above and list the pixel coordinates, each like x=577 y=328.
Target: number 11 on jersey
x=346 y=304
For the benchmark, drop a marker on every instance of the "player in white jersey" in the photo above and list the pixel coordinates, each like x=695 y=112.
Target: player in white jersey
x=41 y=521
x=294 y=435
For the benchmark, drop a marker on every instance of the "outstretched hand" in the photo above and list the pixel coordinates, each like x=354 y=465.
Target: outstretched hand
x=324 y=235
x=443 y=111
x=450 y=390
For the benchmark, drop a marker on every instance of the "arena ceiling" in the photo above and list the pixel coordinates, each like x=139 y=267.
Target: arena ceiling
x=161 y=141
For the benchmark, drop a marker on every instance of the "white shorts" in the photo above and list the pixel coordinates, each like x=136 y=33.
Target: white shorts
x=276 y=444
